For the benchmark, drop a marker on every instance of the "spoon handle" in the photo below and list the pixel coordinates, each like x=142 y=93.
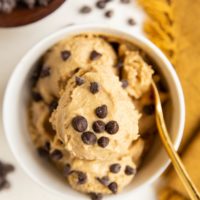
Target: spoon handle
x=175 y=159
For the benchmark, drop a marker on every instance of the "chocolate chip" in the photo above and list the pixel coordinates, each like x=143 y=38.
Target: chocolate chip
x=129 y=170
x=104 y=180
x=56 y=154
x=45 y=72
x=89 y=138
x=103 y=141
x=149 y=109
x=109 y=13
x=43 y=152
x=115 y=168
x=53 y=105
x=112 y=127
x=96 y=196
x=65 y=54
x=79 y=123
x=94 y=87
x=36 y=96
x=125 y=1
x=82 y=177
x=101 y=4
x=120 y=63
x=79 y=81
x=101 y=111
x=85 y=10
x=66 y=170
x=95 y=55
x=113 y=187
x=124 y=83
x=98 y=126
x=131 y=21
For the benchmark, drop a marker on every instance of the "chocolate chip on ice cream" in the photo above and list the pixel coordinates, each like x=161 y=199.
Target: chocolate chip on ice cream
x=89 y=138
x=115 y=168
x=79 y=81
x=98 y=126
x=129 y=170
x=95 y=55
x=79 y=123
x=113 y=187
x=65 y=55
x=103 y=180
x=94 y=87
x=103 y=142
x=112 y=127
x=56 y=154
x=96 y=196
x=45 y=72
x=101 y=111
x=82 y=177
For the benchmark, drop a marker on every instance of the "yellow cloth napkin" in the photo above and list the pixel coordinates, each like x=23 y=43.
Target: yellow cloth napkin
x=174 y=26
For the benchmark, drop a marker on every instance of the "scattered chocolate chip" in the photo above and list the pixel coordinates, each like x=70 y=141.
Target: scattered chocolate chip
x=43 y=152
x=79 y=81
x=120 y=63
x=53 y=105
x=77 y=70
x=103 y=141
x=115 y=168
x=79 y=123
x=98 y=126
x=101 y=111
x=113 y=187
x=67 y=170
x=82 y=177
x=36 y=96
x=45 y=72
x=101 y=4
x=124 y=83
x=125 y=1
x=89 y=138
x=56 y=154
x=149 y=109
x=112 y=127
x=131 y=21
x=65 y=55
x=94 y=87
x=129 y=170
x=85 y=10
x=109 y=13
x=95 y=55
x=96 y=196
x=104 y=180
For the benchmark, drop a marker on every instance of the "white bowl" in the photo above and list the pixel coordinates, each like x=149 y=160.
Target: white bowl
x=15 y=116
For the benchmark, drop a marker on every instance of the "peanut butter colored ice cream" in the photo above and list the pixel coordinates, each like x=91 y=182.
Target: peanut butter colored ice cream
x=89 y=103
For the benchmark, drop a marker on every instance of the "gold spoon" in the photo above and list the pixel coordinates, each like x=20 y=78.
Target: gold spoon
x=176 y=161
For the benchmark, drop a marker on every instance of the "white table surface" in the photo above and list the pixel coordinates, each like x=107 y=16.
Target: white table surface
x=14 y=43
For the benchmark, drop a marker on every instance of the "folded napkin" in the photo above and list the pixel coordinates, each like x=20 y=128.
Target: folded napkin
x=174 y=26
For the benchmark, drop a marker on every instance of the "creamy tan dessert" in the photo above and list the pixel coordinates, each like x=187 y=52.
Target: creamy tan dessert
x=92 y=111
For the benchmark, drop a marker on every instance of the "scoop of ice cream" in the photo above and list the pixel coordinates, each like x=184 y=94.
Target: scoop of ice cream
x=70 y=55
x=138 y=74
x=97 y=119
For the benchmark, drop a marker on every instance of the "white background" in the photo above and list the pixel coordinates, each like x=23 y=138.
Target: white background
x=14 y=42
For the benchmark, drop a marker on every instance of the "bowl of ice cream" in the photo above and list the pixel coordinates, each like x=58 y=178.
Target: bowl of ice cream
x=83 y=112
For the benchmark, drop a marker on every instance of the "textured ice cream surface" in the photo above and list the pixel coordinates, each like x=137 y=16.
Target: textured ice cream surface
x=80 y=101
x=92 y=113
x=68 y=56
